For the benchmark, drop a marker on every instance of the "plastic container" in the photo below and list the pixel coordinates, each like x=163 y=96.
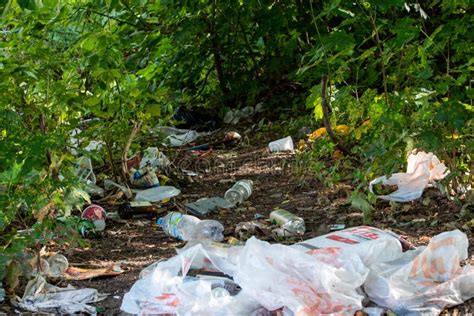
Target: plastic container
x=158 y=194
x=58 y=264
x=95 y=214
x=187 y=227
x=290 y=223
x=137 y=210
x=239 y=192
x=284 y=144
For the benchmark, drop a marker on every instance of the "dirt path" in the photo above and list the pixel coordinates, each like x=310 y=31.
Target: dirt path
x=139 y=243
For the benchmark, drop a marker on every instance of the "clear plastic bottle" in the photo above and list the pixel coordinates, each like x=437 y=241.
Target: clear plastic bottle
x=58 y=264
x=290 y=223
x=239 y=192
x=187 y=227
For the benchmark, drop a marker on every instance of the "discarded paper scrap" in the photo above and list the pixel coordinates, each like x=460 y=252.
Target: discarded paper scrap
x=73 y=273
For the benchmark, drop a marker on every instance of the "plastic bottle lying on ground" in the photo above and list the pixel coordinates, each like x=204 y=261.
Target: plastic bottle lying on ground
x=239 y=192
x=58 y=264
x=290 y=224
x=187 y=227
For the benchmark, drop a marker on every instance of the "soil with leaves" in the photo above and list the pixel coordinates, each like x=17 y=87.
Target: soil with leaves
x=139 y=242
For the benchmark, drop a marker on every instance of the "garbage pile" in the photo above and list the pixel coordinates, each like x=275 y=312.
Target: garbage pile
x=345 y=271
x=361 y=268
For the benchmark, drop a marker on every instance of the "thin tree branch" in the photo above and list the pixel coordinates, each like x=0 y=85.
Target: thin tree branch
x=327 y=123
x=135 y=130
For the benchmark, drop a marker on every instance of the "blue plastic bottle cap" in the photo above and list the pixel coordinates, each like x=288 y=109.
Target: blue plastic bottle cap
x=159 y=221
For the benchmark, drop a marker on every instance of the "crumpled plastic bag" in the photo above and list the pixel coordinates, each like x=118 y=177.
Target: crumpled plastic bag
x=178 y=137
x=318 y=281
x=301 y=280
x=165 y=288
x=40 y=296
x=426 y=280
x=154 y=158
x=422 y=170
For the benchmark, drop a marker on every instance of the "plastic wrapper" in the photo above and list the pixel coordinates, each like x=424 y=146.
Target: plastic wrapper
x=41 y=296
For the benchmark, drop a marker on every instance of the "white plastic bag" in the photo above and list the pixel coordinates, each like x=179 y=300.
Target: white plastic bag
x=317 y=282
x=271 y=276
x=369 y=243
x=426 y=280
x=305 y=280
x=40 y=296
x=165 y=288
x=154 y=158
x=422 y=168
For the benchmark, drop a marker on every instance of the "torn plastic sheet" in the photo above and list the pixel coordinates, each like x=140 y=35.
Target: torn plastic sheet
x=306 y=280
x=179 y=137
x=154 y=158
x=40 y=296
x=422 y=170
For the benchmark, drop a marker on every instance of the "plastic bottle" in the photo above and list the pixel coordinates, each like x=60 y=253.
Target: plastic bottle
x=187 y=227
x=290 y=223
x=239 y=192
x=58 y=264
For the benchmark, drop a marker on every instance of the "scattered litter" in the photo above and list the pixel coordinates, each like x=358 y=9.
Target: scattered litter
x=259 y=216
x=157 y=194
x=94 y=190
x=190 y=173
x=187 y=227
x=199 y=148
x=73 y=273
x=117 y=297
x=154 y=158
x=422 y=170
x=96 y=214
x=284 y=144
x=234 y=241
x=179 y=137
x=323 y=275
x=207 y=205
x=41 y=296
x=232 y=137
x=144 y=178
x=137 y=209
x=245 y=230
x=290 y=224
x=239 y=192
x=109 y=185
x=234 y=116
